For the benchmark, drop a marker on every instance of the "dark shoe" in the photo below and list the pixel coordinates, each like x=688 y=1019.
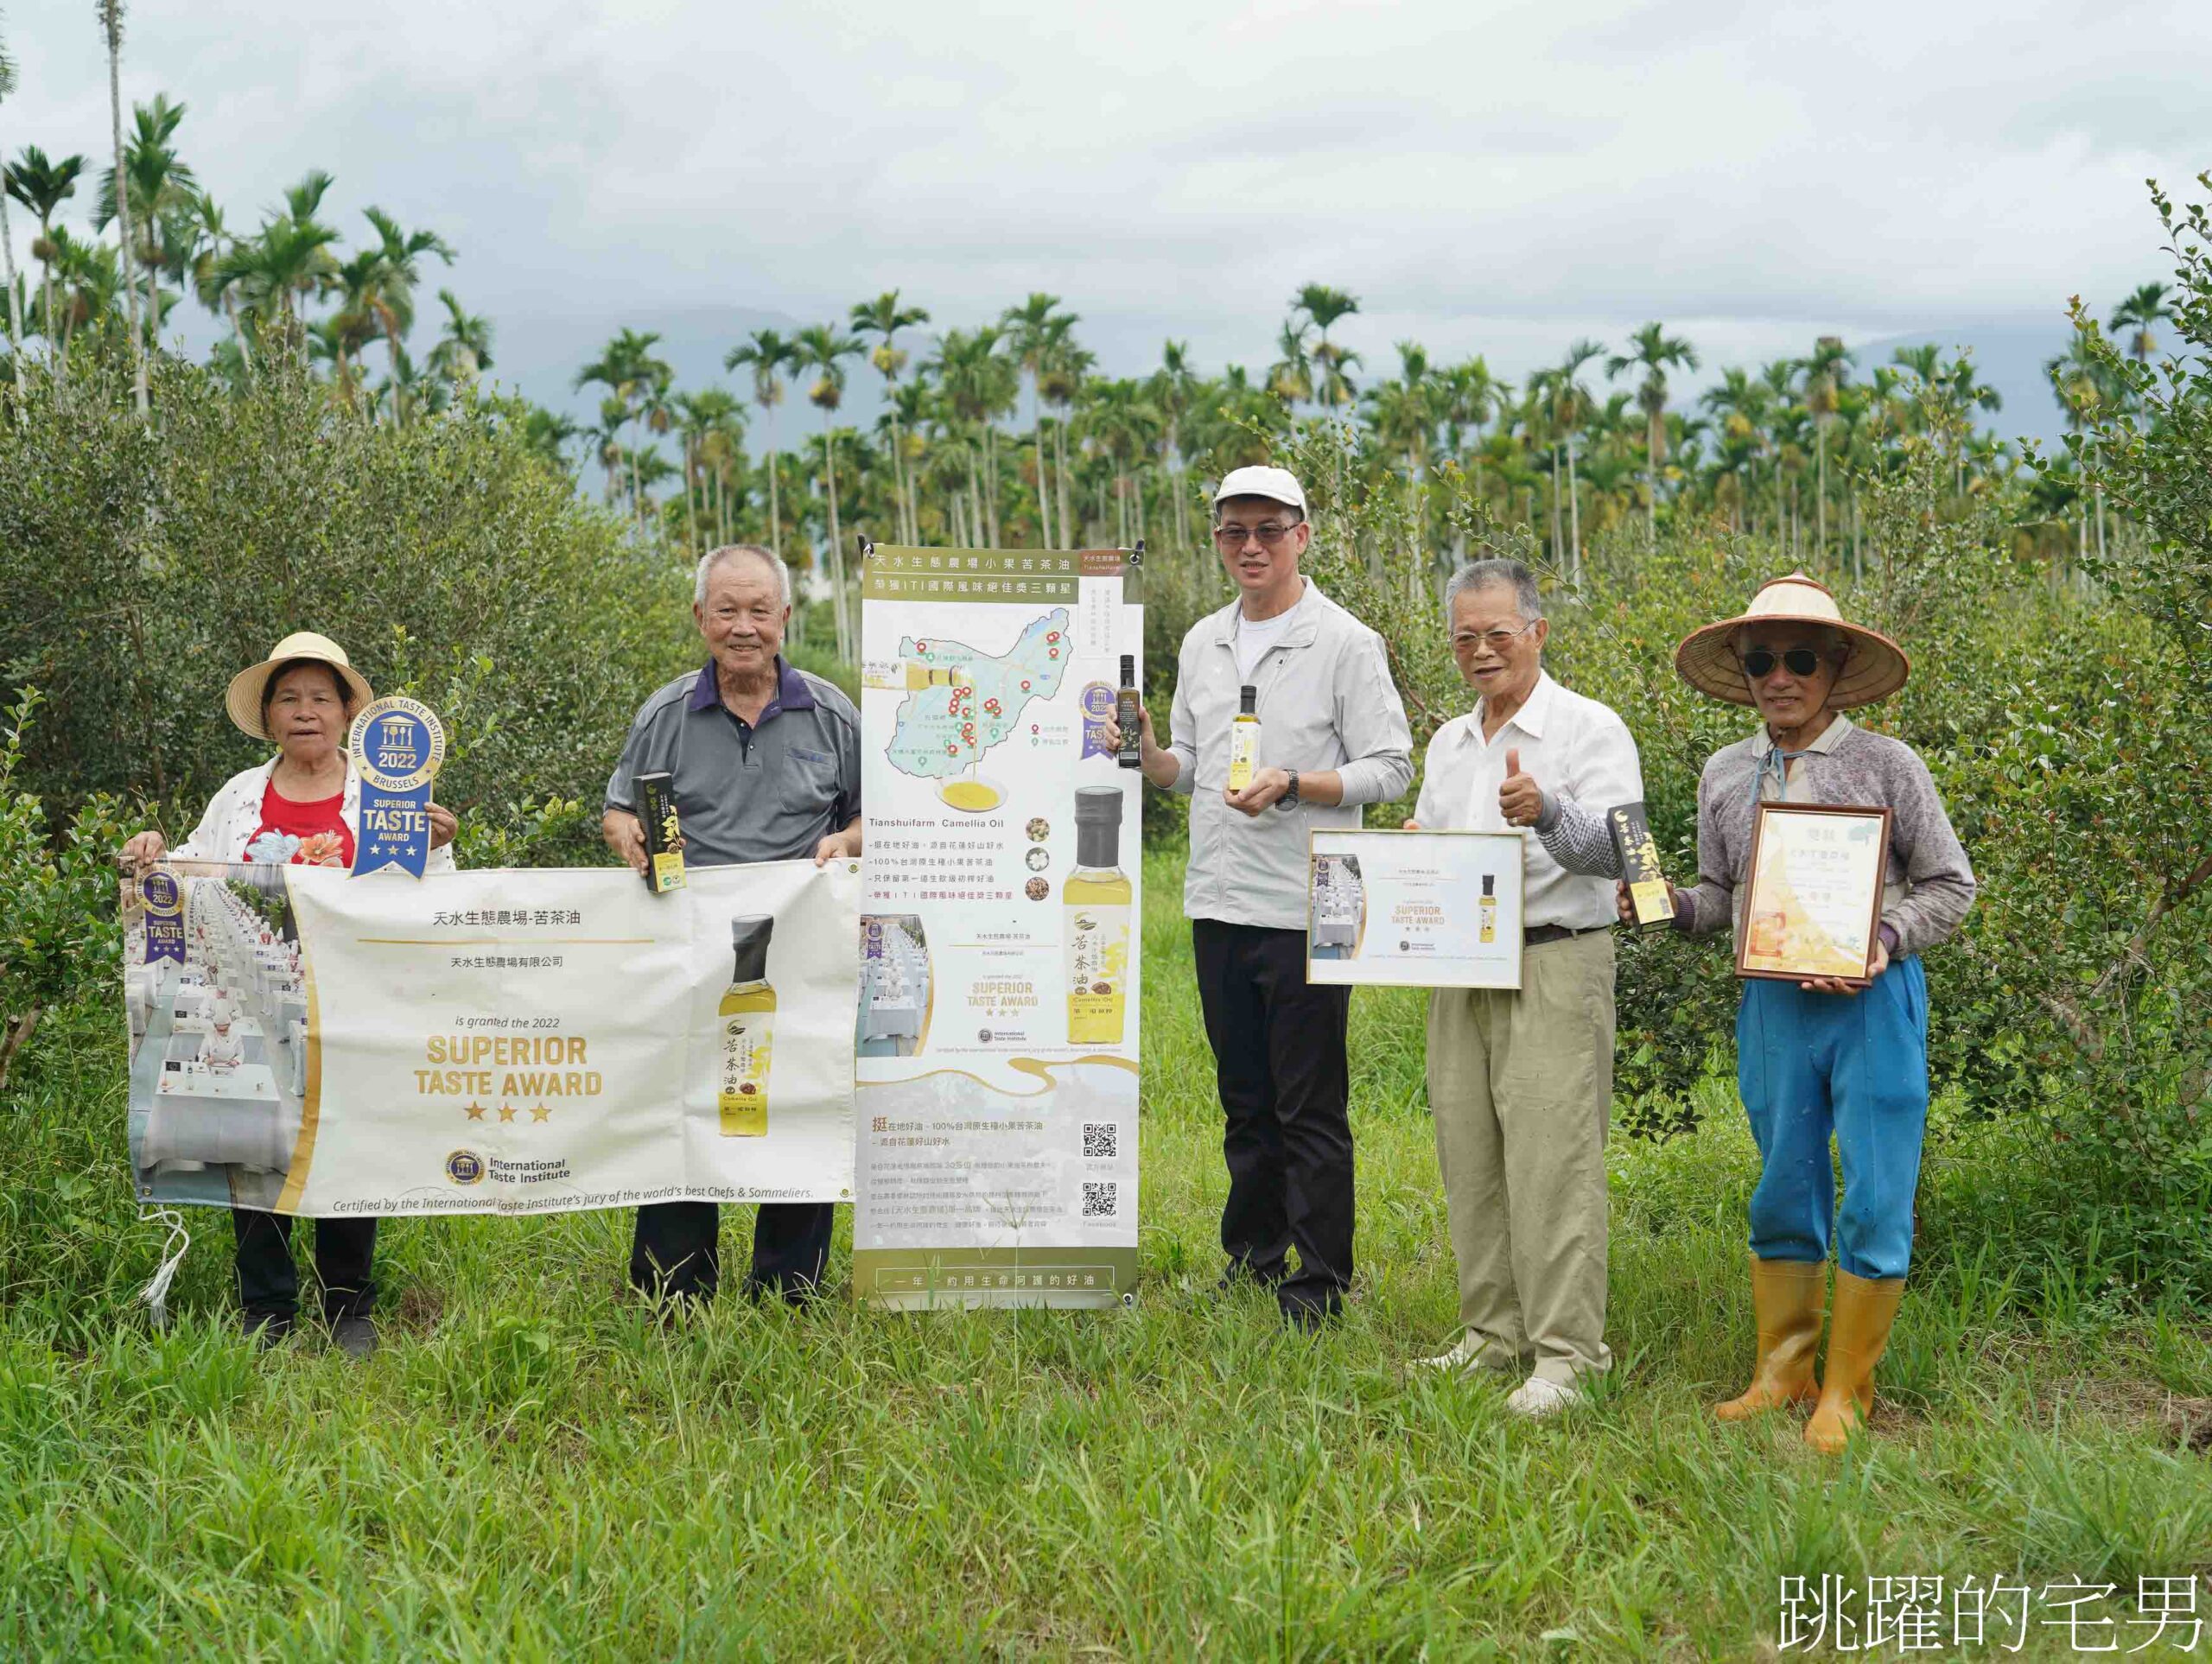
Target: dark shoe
x=672 y=1311
x=355 y=1336
x=1307 y=1318
x=266 y=1329
x=1242 y=1273
x=798 y=1291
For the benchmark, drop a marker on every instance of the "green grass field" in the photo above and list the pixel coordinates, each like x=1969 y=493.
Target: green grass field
x=532 y=1469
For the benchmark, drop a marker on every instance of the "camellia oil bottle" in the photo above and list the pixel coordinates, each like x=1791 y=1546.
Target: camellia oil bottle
x=748 y=1015
x=1098 y=895
x=1489 y=906
x=1125 y=715
x=1244 y=739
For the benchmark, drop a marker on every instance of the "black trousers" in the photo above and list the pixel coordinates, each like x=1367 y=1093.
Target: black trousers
x=1279 y=1060
x=676 y=1249
x=269 y=1283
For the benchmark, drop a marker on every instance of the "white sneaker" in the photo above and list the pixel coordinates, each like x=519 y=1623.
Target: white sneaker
x=1473 y=1353
x=1536 y=1398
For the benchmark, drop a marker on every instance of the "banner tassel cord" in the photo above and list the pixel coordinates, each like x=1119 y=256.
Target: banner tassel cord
x=157 y=1292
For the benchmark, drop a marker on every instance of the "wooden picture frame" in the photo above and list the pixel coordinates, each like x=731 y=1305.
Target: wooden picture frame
x=1813 y=892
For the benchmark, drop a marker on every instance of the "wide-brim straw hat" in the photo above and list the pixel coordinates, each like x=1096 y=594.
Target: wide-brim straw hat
x=244 y=699
x=1875 y=668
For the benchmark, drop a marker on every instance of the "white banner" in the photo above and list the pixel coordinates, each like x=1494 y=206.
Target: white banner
x=997 y=1044
x=512 y=1041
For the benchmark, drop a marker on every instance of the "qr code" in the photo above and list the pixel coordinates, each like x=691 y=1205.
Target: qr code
x=1101 y=1199
x=1102 y=1140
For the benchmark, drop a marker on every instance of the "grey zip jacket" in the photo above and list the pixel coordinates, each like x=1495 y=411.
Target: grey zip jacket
x=1325 y=702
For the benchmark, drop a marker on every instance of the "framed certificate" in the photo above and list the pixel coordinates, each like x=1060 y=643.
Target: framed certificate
x=1813 y=898
x=1431 y=909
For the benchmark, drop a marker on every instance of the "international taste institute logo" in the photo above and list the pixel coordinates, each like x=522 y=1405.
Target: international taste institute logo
x=397 y=744
x=465 y=1167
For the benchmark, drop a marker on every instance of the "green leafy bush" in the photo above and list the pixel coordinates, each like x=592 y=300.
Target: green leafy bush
x=144 y=563
x=58 y=940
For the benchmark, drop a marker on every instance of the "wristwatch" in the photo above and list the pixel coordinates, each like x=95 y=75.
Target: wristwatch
x=1289 y=798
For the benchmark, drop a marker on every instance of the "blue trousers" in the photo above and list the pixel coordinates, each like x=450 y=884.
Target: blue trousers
x=1812 y=1064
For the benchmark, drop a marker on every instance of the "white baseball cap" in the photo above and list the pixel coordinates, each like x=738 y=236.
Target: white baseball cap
x=1276 y=485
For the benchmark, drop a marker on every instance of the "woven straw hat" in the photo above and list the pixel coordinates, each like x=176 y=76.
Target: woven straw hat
x=244 y=698
x=1875 y=668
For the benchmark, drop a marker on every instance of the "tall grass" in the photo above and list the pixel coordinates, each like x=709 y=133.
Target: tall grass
x=532 y=1467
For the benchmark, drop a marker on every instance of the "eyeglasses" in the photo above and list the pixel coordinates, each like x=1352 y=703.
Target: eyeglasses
x=1496 y=640
x=1230 y=538
x=1758 y=663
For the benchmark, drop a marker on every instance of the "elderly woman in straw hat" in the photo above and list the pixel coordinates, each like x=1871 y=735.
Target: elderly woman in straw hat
x=1823 y=1058
x=302 y=806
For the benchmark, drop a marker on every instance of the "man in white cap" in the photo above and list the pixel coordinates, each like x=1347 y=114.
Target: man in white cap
x=1333 y=736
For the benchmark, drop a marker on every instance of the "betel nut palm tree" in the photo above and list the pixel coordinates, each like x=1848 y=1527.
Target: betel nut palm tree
x=111 y=20
x=884 y=316
x=391 y=292
x=42 y=185
x=766 y=353
x=823 y=348
x=1032 y=329
x=7 y=81
x=1653 y=352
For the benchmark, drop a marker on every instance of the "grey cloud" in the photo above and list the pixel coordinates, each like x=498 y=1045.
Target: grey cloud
x=1768 y=171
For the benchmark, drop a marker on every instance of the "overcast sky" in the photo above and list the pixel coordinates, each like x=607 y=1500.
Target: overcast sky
x=1485 y=177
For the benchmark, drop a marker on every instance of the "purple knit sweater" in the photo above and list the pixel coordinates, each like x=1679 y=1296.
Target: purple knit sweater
x=1930 y=884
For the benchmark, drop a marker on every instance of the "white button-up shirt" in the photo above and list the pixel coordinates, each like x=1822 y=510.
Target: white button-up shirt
x=1585 y=759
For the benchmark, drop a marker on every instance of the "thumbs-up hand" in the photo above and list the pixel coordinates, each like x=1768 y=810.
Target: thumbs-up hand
x=1520 y=799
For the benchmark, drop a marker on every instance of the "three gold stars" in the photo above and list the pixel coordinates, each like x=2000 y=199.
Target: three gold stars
x=476 y=1111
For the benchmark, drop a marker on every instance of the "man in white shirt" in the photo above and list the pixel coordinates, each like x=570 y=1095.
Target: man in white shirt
x=1333 y=736
x=1520 y=1081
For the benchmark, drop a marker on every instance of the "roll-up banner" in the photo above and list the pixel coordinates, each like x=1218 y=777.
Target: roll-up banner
x=996 y=1048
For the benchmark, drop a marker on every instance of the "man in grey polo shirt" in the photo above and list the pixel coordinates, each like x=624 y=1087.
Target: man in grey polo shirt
x=1333 y=737
x=767 y=766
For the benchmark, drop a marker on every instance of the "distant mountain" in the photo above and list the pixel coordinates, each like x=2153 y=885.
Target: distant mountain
x=2010 y=356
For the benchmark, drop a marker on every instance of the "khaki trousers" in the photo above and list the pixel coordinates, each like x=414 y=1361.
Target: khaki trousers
x=1521 y=1084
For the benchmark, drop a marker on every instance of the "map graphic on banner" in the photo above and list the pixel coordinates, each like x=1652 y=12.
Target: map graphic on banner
x=996 y=1040
x=505 y=1041
x=963 y=701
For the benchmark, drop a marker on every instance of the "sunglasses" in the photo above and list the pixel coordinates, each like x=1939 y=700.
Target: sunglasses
x=1231 y=538
x=1758 y=663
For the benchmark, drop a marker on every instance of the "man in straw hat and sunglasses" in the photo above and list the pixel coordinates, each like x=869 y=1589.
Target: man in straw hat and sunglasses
x=1823 y=1056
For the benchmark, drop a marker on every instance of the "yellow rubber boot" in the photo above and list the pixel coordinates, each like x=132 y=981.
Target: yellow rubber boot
x=1790 y=1298
x=1865 y=1308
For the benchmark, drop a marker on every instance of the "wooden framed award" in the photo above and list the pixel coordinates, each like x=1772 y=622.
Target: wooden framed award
x=1813 y=896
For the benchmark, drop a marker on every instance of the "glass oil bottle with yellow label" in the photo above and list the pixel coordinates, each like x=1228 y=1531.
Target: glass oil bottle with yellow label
x=1244 y=739
x=1489 y=907
x=1096 y=896
x=748 y=1016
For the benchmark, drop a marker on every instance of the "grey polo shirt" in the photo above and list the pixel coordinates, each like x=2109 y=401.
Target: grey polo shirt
x=745 y=791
